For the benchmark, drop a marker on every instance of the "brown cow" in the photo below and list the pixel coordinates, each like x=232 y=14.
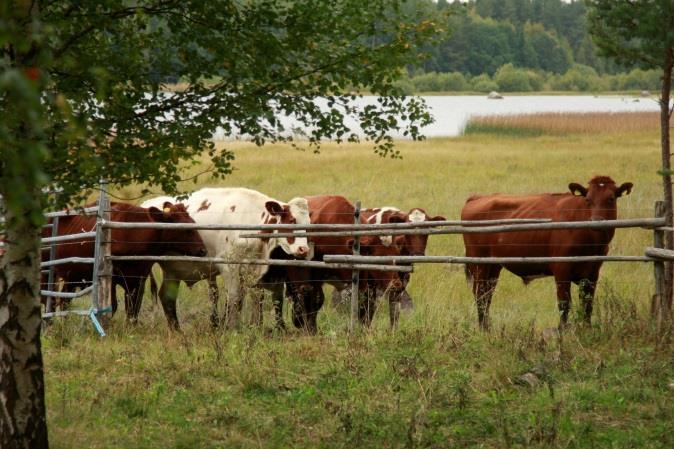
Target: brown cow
x=305 y=285
x=125 y=242
x=596 y=202
x=409 y=244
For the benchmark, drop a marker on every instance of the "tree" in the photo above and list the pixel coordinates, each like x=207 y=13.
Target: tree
x=81 y=99
x=641 y=32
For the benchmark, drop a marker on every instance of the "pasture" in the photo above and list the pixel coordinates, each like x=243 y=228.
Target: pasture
x=434 y=382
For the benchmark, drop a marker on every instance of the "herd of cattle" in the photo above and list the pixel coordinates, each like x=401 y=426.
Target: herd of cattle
x=304 y=286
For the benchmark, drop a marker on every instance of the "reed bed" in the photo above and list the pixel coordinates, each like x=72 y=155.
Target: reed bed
x=554 y=123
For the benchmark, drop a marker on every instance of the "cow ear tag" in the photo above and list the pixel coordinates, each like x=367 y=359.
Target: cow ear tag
x=167 y=210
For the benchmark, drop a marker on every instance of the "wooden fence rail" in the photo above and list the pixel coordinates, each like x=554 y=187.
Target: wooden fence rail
x=648 y=223
x=660 y=254
x=276 y=262
x=316 y=226
x=481 y=260
x=103 y=259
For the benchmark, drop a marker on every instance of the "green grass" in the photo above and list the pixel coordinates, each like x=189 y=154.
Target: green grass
x=435 y=382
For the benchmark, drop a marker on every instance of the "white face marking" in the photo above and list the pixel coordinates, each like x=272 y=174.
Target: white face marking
x=299 y=209
x=417 y=216
x=601 y=184
x=386 y=240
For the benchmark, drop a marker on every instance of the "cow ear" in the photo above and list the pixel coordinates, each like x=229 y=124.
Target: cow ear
x=577 y=189
x=398 y=217
x=624 y=189
x=273 y=207
x=157 y=215
x=437 y=218
x=167 y=207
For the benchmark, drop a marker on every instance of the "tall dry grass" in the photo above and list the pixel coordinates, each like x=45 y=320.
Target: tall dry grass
x=561 y=123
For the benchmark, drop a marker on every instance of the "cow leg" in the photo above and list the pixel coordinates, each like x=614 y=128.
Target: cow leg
x=299 y=312
x=214 y=296
x=367 y=305
x=485 y=278
x=586 y=290
x=168 y=295
x=563 y=299
x=394 y=307
x=234 y=300
x=257 y=307
x=277 y=301
x=133 y=299
x=317 y=299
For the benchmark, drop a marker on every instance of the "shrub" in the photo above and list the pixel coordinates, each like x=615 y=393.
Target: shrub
x=427 y=82
x=511 y=79
x=579 y=78
x=406 y=86
x=639 y=79
x=453 y=81
x=483 y=83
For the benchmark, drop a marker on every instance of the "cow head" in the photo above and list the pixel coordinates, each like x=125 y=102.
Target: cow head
x=415 y=244
x=384 y=280
x=177 y=241
x=295 y=212
x=601 y=195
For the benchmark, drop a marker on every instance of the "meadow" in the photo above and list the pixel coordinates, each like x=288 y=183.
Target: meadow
x=436 y=381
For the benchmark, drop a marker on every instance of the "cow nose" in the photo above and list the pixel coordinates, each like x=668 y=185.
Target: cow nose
x=202 y=252
x=396 y=284
x=302 y=251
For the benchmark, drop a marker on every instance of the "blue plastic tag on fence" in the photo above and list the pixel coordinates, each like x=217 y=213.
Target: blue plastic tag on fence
x=97 y=324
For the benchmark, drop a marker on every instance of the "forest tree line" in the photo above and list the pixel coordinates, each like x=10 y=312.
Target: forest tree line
x=517 y=45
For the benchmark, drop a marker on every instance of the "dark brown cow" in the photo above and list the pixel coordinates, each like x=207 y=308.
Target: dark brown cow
x=125 y=242
x=409 y=244
x=596 y=202
x=305 y=286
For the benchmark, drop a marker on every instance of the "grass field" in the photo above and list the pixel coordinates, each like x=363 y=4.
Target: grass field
x=436 y=381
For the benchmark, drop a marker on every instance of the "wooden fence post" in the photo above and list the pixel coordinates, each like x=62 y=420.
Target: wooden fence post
x=355 y=275
x=102 y=276
x=51 y=282
x=658 y=301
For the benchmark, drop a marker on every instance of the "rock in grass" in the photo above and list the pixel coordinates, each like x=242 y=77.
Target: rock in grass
x=493 y=95
x=528 y=380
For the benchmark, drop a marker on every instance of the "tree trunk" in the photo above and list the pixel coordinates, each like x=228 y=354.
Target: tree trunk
x=22 y=404
x=666 y=306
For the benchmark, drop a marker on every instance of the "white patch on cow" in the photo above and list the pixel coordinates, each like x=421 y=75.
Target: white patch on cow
x=299 y=209
x=417 y=216
x=249 y=210
x=377 y=218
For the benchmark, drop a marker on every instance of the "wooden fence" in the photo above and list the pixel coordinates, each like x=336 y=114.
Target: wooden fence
x=102 y=260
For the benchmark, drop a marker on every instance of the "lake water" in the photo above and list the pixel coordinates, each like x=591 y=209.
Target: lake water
x=452 y=112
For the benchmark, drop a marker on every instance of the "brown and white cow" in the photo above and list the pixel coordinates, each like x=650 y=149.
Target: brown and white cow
x=125 y=242
x=597 y=201
x=305 y=285
x=409 y=245
x=236 y=206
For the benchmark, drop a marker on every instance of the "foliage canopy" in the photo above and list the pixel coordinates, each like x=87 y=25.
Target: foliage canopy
x=88 y=77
